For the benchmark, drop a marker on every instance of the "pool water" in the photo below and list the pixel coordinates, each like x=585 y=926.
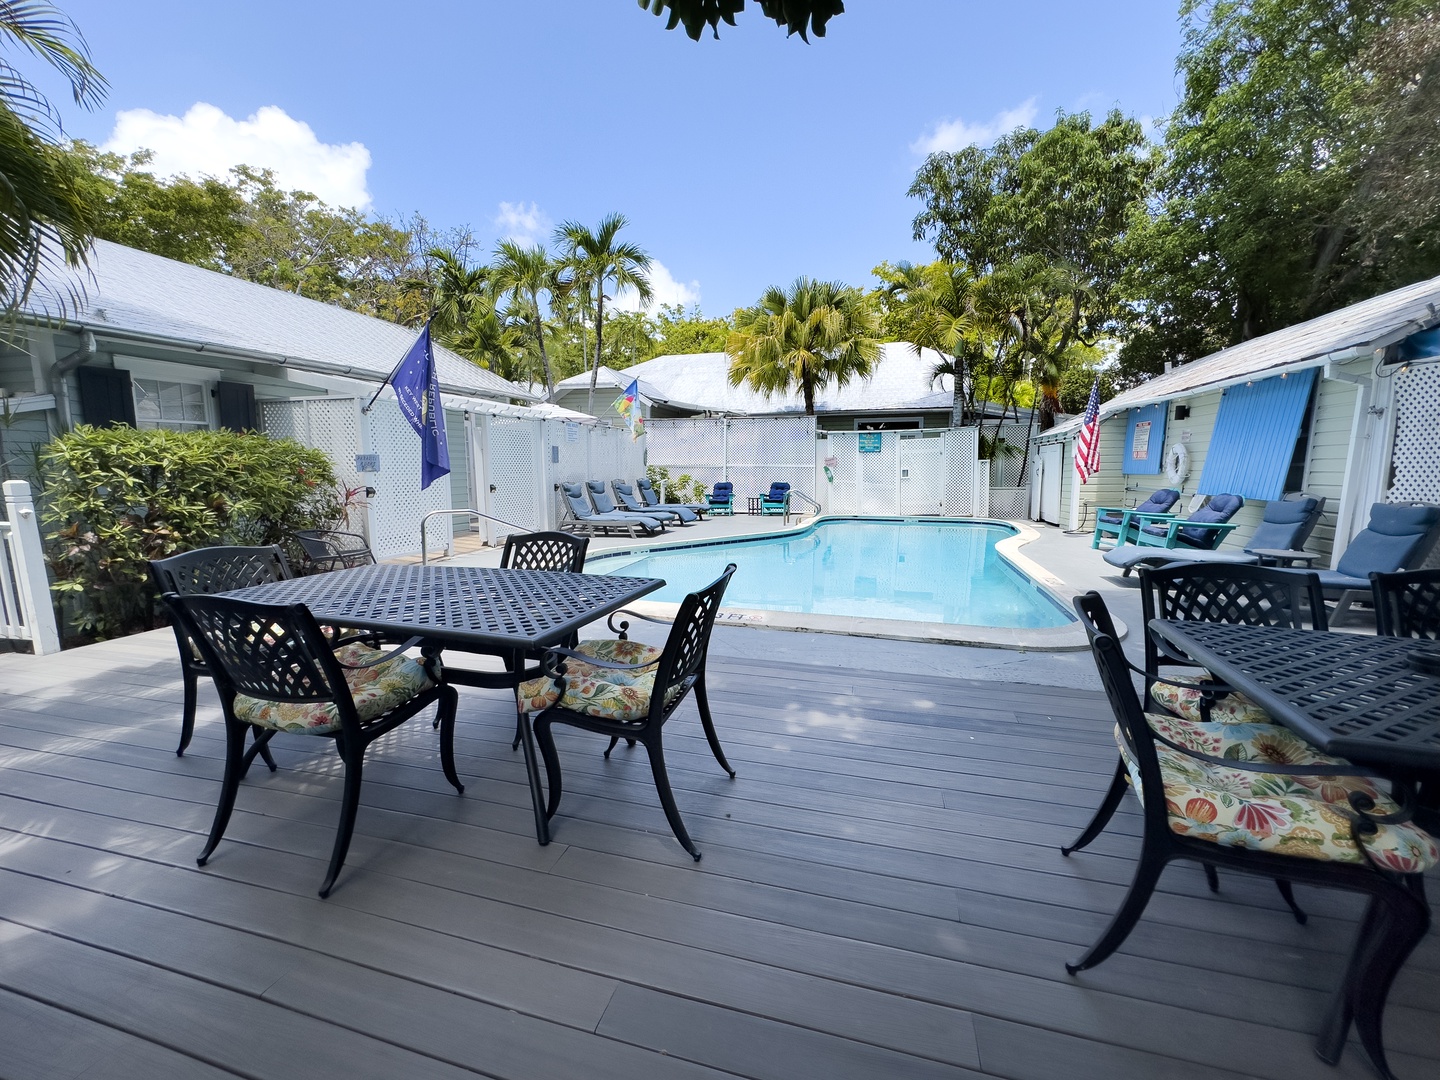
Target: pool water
x=916 y=571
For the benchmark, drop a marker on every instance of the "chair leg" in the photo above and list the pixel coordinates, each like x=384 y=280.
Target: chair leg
x=187 y=711
x=445 y=714
x=234 y=770
x=1406 y=925
x=1147 y=873
x=667 y=798
x=614 y=739
x=1212 y=878
x=353 y=758
x=702 y=702
x=261 y=749
x=1106 y=810
x=554 y=787
x=1288 y=894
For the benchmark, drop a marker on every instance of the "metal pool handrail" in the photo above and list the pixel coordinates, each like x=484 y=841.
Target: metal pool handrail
x=424 y=521
x=800 y=495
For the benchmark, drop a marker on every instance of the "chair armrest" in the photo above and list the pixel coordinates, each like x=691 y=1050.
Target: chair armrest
x=624 y=626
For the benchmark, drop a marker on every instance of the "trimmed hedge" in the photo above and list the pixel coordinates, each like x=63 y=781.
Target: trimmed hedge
x=116 y=497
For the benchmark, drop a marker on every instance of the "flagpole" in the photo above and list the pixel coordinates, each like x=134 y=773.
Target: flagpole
x=370 y=404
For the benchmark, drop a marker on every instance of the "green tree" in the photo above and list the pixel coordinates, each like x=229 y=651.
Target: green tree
x=1300 y=172
x=524 y=274
x=816 y=333
x=680 y=331
x=457 y=291
x=1051 y=209
x=45 y=220
x=591 y=259
x=796 y=16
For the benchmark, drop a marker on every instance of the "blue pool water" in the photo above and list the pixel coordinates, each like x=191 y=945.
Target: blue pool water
x=945 y=572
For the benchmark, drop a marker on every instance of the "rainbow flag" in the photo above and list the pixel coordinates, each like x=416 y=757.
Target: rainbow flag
x=628 y=406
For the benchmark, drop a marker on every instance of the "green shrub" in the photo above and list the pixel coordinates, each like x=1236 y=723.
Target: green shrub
x=682 y=488
x=116 y=497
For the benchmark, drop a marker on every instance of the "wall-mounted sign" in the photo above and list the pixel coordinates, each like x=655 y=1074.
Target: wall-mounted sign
x=870 y=442
x=367 y=462
x=1140 y=446
x=572 y=431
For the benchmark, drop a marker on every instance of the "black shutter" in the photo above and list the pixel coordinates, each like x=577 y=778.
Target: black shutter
x=106 y=398
x=236 y=403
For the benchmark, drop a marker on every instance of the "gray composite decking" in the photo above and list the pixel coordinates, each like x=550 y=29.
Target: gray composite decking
x=881 y=895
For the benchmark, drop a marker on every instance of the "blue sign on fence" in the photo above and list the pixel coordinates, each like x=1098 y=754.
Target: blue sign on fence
x=870 y=442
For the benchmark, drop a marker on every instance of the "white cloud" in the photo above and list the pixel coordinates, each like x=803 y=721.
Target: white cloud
x=665 y=288
x=522 y=223
x=952 y=135
x=205 y=141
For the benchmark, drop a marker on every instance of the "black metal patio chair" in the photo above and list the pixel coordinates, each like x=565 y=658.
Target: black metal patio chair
x=628 y=690
x=1218 y=813
x=331 y=549
x=561 y=552
x=1407 y=604
x=1249 y=595
x=276 y=671
x=200 y=573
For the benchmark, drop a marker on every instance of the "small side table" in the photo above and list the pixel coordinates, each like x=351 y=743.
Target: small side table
x=754 y=507
x=1283 y=557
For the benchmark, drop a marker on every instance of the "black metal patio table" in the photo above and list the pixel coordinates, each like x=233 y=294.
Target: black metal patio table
x=513 y=614
x=1350 y=695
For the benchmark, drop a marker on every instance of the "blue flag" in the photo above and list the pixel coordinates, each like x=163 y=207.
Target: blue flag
x=417 y=388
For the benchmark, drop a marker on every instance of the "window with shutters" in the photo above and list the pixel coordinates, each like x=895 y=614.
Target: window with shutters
x=162 y=403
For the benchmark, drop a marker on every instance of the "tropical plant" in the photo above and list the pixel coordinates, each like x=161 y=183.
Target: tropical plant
x=524 y=274
x=116 y=497
x=457 y=291
x=45 y=221
x=594 y=258
x=933 y=307
x=816 y=333
x=794 y=15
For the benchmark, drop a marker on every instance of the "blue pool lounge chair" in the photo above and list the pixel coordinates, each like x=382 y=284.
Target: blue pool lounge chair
x=1287 y=524
x=625 y=494
x=651 y=501
x=580 y=516
x=777 y=499
x=722 y=498
x=1119 y=521
x=1201 y=531
x=1398 y=537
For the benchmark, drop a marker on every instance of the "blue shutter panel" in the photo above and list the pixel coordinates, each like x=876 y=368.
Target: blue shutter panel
x=1254 y=437
x=1149 y=464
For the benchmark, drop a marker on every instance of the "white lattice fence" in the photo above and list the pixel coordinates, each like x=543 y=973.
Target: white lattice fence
x=904 y=474
x=512 y=454
x=963 y=496
x=750 y=452
x=1008 y=462
x=1416 y=457
x=330 y=425
x=922 y=475
x=399 y=504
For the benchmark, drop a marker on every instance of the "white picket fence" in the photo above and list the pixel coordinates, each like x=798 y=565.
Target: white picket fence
x=26 y=613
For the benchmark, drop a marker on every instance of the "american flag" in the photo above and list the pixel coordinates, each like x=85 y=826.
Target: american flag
x=1087 y=444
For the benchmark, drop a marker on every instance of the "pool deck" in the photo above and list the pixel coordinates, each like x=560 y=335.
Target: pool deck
x=881 y=895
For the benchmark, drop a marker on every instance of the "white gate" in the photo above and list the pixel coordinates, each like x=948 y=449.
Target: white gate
x=399 y=504
x=511 y=475
x=1415 y=460
x=891 y=473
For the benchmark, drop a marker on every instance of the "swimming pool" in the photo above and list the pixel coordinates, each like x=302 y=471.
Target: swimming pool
x=912 y=571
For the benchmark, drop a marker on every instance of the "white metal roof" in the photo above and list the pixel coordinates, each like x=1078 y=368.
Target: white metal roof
x=701 y=382
x=134 y=293
x=1341 y=335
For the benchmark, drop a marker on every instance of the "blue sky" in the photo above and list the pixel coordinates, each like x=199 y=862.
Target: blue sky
x=741 y=163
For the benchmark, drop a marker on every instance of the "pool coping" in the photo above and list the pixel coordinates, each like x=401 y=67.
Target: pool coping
x=1068 y=638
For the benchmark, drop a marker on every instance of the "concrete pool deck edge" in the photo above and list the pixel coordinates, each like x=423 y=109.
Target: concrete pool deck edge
x=1068 y=638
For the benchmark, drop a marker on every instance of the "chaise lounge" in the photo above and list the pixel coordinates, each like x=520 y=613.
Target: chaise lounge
x=580 y=517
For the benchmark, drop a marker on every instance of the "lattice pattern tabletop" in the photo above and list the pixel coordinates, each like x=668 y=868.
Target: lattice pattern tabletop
x=1350 y=695
x=458 y=606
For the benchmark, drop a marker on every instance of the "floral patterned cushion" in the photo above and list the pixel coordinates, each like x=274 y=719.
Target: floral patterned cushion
x=1233 y=708
x=1286 y=815
x=599 y=691
x=375 y=690
x=1241 y=742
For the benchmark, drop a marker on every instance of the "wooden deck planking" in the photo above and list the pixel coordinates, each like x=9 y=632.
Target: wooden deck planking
x=878 y=897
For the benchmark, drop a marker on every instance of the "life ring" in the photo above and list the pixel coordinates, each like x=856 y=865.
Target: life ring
x=1177 y=464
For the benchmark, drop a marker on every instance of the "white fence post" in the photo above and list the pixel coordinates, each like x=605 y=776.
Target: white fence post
x=31 y=582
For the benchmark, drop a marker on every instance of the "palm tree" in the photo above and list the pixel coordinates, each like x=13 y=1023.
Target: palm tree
x=44 y=217
x=933 y=307
x=816 y=333
x=592 y=258
x=492 y=340
x=456 y=290
x=524 y=273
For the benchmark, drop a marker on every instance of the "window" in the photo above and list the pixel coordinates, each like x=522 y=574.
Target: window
x=161 y=403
